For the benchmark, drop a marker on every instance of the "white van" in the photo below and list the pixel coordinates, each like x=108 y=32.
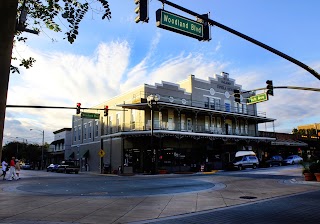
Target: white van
x=245 y=159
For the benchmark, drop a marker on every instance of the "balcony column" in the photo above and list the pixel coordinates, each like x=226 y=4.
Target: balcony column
x=179 y=119
x=196 y=120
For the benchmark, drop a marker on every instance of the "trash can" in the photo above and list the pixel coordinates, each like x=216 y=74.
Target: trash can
x=106 y=168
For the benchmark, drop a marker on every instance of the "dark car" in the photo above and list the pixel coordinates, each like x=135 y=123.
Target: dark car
x=69 y=167
x=52 y=168
x=275 y=161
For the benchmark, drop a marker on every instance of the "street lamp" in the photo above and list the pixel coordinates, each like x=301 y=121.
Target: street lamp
x=17 y=156
x=41 y=147
x=152 y=103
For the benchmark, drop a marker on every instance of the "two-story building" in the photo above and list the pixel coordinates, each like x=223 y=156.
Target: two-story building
x=173 y=126
x=60 y=146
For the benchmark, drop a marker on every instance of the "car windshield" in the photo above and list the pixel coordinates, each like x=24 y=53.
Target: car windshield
x=290 y=157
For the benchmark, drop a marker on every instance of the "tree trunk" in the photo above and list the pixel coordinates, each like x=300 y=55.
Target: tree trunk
x=8 y=13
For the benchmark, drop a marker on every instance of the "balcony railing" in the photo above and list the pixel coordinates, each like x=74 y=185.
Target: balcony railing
x=240 y=109
x=134 y=126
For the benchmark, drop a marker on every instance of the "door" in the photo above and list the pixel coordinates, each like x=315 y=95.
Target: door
x=189 y=124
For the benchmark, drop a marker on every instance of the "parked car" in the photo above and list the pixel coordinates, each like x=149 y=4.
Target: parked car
x=26 y=166
x=52 y=167
x=69 y=166
x=293 y=159
x=242 y=162
x=275 y=161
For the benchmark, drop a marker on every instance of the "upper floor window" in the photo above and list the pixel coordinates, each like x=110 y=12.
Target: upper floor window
x=97 y=128
x=90 y=130
x=79 y=132
x=217 y=104
x=84 y=131
x=75 y=133
x=227 y=106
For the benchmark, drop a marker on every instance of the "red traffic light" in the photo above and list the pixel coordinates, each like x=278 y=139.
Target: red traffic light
x=78 y=108
x=106 y=110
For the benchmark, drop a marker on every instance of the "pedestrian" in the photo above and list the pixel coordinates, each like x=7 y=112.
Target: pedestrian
x=12 y=169
x=4 y=165
x=17 y=167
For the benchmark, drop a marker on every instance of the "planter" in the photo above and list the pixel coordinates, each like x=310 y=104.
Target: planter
x=317 y=176
x=309 y=176
x=162 y=171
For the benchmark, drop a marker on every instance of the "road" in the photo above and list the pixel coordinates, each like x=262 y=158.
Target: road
x=41 y=197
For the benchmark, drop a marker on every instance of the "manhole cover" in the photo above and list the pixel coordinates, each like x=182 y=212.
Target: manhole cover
x=248 y=197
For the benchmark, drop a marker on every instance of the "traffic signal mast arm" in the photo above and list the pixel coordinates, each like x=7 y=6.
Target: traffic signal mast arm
x=214 y=23
x=285 y=87
x=56 y=107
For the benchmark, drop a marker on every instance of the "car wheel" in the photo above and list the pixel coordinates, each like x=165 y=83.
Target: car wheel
x=254 y=166
x=292 y=163
x=240 y=168
x=270 y=165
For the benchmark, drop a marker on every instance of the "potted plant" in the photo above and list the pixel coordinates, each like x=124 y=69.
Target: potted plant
x=162 y=170
x=307 y=173
x=315 y=169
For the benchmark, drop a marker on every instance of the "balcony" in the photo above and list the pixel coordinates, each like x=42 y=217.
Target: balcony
x=134 y=126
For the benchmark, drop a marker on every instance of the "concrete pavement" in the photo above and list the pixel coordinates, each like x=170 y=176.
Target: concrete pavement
x=228 y=191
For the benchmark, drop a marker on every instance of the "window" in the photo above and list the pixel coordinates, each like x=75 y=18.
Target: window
x=90 y=130
x=206 y=103
x=212 y=103
x=217 y=104
x=244 y=108
x=97 y=128
x=84 y=131
x=206 y=123
x=133 y=120
x=227 y=105
x=79 y=132
x=75 y=134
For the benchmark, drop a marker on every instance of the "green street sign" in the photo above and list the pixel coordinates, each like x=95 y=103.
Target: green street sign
x=90 y=115
x=173 y=22
x=258 y=98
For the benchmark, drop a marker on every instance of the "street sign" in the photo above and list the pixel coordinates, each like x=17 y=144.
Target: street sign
x=258 y=98
x=101 y=153
x=90 y=115
x=173 y=22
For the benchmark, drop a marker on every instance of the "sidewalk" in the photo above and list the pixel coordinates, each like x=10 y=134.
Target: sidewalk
x=227 y=192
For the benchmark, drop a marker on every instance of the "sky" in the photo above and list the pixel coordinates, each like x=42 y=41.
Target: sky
x=111 y=57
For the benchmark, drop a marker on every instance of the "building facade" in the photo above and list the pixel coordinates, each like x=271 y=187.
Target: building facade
x=60 y=147
x=174 y=126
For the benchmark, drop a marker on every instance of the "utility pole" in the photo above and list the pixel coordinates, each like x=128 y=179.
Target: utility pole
x=8 y=14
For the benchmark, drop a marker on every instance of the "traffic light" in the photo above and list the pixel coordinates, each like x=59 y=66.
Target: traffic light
x=142 y=10
x=269 y=87
x=206 y=28
x=106 y=110
x=78 y=108
x=236 y=95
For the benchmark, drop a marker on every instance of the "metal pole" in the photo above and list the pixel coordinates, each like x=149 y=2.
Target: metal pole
x=151 y=143
x=214 y=23
x=42 y=150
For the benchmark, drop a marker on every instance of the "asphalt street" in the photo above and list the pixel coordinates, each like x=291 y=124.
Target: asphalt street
x=251 y=196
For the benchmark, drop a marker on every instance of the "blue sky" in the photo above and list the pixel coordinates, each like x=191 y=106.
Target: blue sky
x=110 y=57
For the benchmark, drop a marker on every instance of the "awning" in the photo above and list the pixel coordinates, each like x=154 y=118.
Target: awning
x=289 y=142
x=56 y=142
x=71 y=156
x=86 y=155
